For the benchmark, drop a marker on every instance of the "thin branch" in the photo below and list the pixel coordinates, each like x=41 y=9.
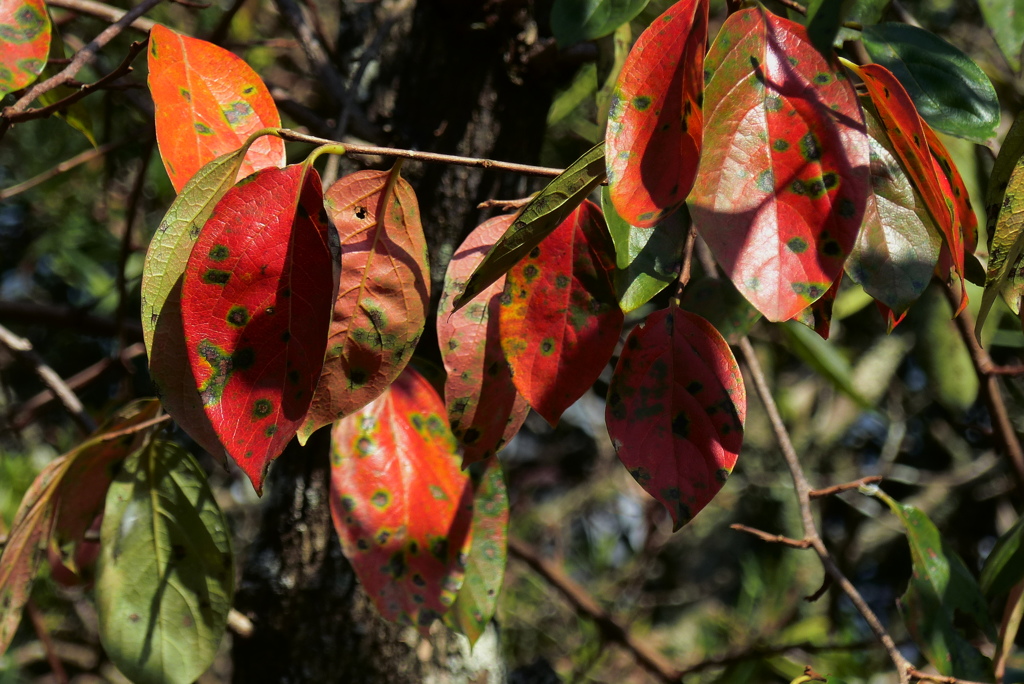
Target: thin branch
x=941 y=679
x=772 y=538
x=63 y=167
x=687 y=268
x=39 y=625
x=122 y=69
x=103 y=11
x=583 y=602
x=22 y=348
x=314 y=50
x=846 y=486
x=757 y=653
x=220 y=32
x=65 y=317
x=373 y=150
x=991 y=391
x=505 y=205
x=80 y=59
x=803 y=491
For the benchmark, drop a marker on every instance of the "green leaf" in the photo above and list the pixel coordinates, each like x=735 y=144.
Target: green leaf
x=1005 y=18
x=576 y=20
x=165 y=580
x=950 y=91
x=824 y=358
x=718 y=301
x=943 y=354
x=941 y=587
x=1004 y=566
x=478 y=599
x=824 y=17
x=541 y=216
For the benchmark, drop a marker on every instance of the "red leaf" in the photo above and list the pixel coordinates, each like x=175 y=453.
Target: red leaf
x=818 y=316
x=654 y=128
x=401 y=504
x=256 y=304
x=25 y=36
x=783 y=179
x=484 y=408
x=676 y=406
x=911 y=137
x=381 y=307
x=208 y=101
x=560 y=319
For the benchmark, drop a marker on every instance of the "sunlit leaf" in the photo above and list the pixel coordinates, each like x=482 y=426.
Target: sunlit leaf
x=541 y=216
x=576 y=20
x=256 y=302
x=380 y=310
x=477 y=600
x=25 y=37
x=208 y=101
x=401 y=503
x=951 y=92
x=783 y=179
x=1004 y=566
x=653 y=141
x=560 y=319
x=676 y=406
x=898 y=245
x=1005 y=19
x=162 y=274
x=941 y=592
x=484 y=408
x=818 y=316
x=165 y=581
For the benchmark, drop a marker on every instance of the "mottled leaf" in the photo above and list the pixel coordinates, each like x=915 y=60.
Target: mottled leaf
x=165 y=581
x=898 y=245
x=951 y=92
x=477 y=600
x=484 y=409
x=162 y=274
x=541 y=216
x=1005 y=18
x=653 y=141
x=208 y=102
x=401 y=503
x=818 y=316
x=941 y=591
x=380 y=310
x=676 y=406
x=256 y=301
x=576 y=20
x=1004 y=566
x=25 y=37
x=783 y=179
x=560 y=319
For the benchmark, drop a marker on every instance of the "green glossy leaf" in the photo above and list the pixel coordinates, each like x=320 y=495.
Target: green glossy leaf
x=951 y=92
x=538 y=219
x=941 y=591
x=824 y=17
x=824 y=358
x=165 y=580
x=576 y=20
x=477 y=600
x=1005 y=18
x=1004 y=566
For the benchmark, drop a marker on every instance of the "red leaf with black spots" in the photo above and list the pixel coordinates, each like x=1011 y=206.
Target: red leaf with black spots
x=912 y=140
x=818 y=316
x=484 y=408
x=653 y=141
x=560 y=319
x=208 y=101
x=401 y=503
x=783 y=179
x=256 y=309
x=382 y=302
x=676 y=406
x=25 y=34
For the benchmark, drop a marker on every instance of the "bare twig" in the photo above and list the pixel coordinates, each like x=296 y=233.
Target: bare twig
x=65 y=317
x=772 y=538
x=57 y=170
x=687 y=268
x=39 y=625
x=583 y=602
x=505 y=205
x=941 y=679
x=220 y=32
x=240 y=624
x=846 y=486
x=22 y=348
x=318 y=58
x=803 y=491
x=103 y=11
x=759 y=652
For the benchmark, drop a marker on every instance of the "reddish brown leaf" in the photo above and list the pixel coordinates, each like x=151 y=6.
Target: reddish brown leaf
x=25 y=38
x=256 y=304
x=560 y=319
x=818 y=316
x=382 y=302
x=484 y=408
x=783 y=179
x=676 y=406
x=401 y=504
x=653 y=142
x=208 y=101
